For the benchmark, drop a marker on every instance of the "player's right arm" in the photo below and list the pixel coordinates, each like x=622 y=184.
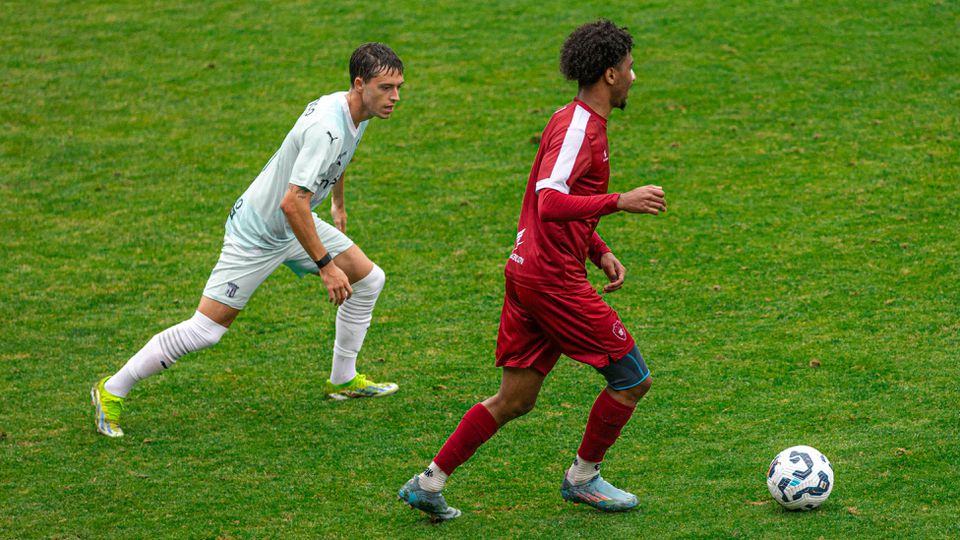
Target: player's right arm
x=643 y=200
x=337 y=209
x=318 y=151
x=296 y=207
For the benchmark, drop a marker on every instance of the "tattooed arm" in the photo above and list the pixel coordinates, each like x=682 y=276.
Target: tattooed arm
x=296 y=207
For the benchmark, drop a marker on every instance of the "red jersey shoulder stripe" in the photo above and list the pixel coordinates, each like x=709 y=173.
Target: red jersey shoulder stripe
x=569 y=150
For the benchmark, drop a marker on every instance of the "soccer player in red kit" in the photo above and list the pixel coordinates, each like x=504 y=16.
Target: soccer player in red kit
x=549 y=306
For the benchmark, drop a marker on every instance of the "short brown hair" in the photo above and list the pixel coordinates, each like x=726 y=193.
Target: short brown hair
x=370 y=59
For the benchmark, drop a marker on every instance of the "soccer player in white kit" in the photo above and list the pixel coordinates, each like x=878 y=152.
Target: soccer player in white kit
x=273 y=223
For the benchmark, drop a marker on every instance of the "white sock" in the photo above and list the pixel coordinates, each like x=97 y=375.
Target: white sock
x=432 y=478
x=163 y=350
x=582 y=471
x=353 y=319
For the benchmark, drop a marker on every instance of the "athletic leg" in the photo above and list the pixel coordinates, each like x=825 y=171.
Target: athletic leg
x=586 y=329
x=526 y=357
x=353 y=316
x=517 y=396
x=208 y=324
x=160 y=353
x=237 y=274
x=628 y=379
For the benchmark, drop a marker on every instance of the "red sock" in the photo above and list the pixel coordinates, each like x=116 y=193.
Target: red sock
x=607 y=418
x=476 y=427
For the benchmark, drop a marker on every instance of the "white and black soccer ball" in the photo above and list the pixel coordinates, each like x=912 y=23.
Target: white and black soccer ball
x=800 y=478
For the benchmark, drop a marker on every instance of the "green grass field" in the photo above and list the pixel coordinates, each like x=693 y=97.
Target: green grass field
x=810 y=155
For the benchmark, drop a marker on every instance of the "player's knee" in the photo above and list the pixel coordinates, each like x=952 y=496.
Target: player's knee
x=641 y=389
x=508 y=408
x=635 y=393
x=523 y=406
x=372 y=283
x=197 y=332
x=520 y=405
x=381 y=276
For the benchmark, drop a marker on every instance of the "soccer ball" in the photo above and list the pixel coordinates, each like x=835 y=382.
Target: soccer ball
x=800 y=478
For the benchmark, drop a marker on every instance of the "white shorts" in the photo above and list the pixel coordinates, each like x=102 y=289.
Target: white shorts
x=241 y=270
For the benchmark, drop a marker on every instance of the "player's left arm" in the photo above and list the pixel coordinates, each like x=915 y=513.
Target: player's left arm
x=569 y=156
x=338 y=210
x=601 y=256
x=554 y=205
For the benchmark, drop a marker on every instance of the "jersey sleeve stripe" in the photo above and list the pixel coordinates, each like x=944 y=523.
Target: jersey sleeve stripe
x=572 y=141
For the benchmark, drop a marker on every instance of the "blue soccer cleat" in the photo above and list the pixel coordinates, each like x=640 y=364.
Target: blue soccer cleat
x=599 y=494
x=431 y=503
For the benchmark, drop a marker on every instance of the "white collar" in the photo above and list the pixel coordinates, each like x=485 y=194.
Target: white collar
x=346 y=111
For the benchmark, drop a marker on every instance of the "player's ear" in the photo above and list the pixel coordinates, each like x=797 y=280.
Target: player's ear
x=358 y=84
x=610 y=75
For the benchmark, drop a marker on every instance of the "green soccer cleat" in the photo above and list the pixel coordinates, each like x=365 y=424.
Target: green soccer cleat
x=359 y=387
x=429 y=502
x=108 y=408
x=599 y=494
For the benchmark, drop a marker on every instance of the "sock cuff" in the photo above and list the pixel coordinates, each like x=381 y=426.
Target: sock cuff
x=584 y=461
x=208 y=325
x=612 y=410
x=480 y=417
x=372 y=282
x=475 y=428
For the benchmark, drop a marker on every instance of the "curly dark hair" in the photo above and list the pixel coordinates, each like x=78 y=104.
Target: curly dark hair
x=370 y=59
x=591 y=49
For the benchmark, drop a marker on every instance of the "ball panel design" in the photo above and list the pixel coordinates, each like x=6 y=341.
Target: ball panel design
x=800 y=478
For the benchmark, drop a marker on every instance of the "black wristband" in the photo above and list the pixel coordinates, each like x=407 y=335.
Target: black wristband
x=325 y=260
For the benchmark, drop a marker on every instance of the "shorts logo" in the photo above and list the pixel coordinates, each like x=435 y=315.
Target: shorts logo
x=619 y=331
x=232 y=289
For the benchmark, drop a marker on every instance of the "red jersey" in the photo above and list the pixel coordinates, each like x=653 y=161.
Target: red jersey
x=553 y=242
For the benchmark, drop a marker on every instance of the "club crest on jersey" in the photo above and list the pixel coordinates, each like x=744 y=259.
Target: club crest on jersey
x=619 y=331
x=232 y=289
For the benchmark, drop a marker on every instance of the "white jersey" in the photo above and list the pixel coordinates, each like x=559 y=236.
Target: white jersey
x=313 y=156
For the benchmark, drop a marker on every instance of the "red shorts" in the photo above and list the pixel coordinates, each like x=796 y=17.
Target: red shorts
x=536 y=327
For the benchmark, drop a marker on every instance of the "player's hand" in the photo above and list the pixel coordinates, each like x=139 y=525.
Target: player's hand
x=615 y=272
x=339 y=215
x=336 y=282
x=643 y=200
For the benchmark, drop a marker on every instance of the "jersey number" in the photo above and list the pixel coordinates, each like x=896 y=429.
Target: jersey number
x=324 y=184
x=236 y=206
